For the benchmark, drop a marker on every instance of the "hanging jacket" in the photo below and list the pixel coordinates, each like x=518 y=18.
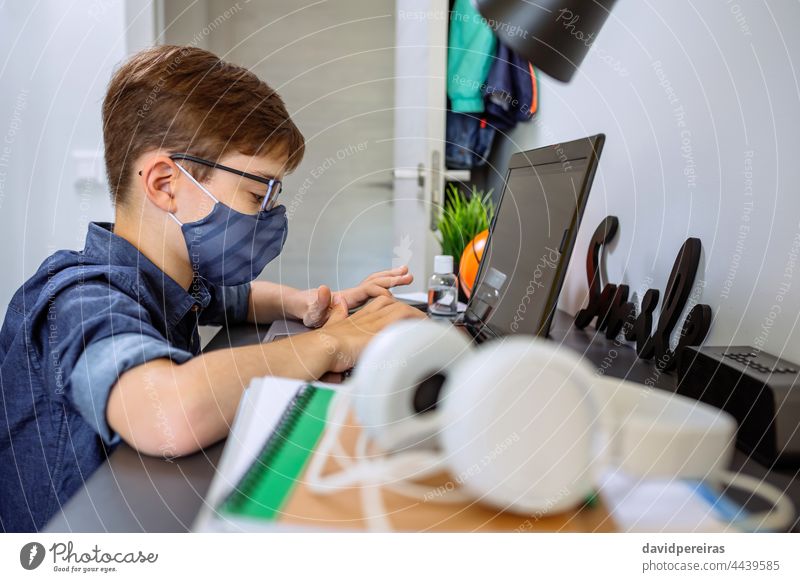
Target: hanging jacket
x=487 y=91
x=511 y=92
x=468 y=141
x=469 y=56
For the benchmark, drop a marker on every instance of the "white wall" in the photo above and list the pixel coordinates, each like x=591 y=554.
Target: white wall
x=56 y=58
x=703 y=144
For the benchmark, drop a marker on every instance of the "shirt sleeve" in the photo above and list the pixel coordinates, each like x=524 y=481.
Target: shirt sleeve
x=102 y=363
x=88 y=334
x=228 y=305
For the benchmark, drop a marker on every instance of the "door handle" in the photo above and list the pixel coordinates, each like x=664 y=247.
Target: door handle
x=457 y=175
x=411 y=174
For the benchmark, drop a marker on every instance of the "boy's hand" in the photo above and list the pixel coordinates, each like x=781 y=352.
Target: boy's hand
x=375 y=285
x=319 y=302
x=345 y=337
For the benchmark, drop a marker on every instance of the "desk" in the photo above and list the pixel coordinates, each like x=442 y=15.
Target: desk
x=133 y=493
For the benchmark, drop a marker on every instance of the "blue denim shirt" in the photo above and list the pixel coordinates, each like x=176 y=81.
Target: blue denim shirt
x=70 y=331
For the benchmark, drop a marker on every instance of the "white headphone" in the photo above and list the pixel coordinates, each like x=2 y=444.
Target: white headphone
x=520 y=423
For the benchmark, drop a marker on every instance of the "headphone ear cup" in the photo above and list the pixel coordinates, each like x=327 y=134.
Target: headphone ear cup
x=515 y=426
x=398 y=382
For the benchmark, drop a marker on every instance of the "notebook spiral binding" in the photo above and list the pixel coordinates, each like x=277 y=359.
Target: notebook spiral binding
x=272 y=446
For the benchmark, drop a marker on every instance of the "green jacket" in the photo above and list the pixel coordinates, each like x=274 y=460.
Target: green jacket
x=469 y=57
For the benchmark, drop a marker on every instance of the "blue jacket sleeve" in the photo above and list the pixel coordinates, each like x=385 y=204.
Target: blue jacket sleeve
x=87 y=335
x=102 y=363
x=228 y=305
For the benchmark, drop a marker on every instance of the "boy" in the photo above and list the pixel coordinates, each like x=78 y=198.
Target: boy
x=101 y=345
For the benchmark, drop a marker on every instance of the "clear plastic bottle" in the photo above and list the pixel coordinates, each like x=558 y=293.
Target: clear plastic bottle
x=486 y=297
x=442 y=288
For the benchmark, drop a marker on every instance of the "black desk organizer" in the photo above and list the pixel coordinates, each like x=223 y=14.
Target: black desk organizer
x=761 y=391
x=616 y=314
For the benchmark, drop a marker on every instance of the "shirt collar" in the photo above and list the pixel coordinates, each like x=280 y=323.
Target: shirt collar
x=104 y=245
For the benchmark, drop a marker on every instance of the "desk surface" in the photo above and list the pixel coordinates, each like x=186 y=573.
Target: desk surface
x=134 y=493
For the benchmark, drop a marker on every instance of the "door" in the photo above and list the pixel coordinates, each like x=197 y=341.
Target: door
x=420 y=111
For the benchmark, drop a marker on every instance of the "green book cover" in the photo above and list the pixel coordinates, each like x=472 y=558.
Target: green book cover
x=268 y=483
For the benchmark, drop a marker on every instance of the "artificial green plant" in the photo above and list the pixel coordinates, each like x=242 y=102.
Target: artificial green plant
x=463 y=218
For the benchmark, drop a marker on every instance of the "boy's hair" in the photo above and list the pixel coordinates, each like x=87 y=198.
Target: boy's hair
x=185 y=99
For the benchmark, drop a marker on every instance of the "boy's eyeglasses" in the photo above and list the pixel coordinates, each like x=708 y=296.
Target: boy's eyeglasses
x=274 y=186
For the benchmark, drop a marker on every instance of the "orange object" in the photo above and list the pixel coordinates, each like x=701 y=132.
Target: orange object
x=470 y=261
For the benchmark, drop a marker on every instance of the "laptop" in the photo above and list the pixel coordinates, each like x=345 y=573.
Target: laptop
x=531 y=239
x=530 y=242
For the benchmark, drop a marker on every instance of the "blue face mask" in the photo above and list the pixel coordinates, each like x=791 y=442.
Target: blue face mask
x=230 y=248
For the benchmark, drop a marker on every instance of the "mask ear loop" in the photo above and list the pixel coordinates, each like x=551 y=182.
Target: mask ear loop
x=196 y=183
x=170 y=214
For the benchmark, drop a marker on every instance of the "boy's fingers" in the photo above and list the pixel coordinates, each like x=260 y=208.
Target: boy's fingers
x=377 y=304
x=402 y=270
x=317 y=310
x=401 y=311
x=383 y=310
x=393 y=281
x=338 y=310
x=324 y=297
x=374 y=290
x=323 y=302
x=389 y=315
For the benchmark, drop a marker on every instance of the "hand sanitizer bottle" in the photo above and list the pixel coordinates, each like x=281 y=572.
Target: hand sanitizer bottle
x=442 y=290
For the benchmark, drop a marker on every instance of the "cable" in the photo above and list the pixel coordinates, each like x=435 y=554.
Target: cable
x=329 y=443
x=779 y=518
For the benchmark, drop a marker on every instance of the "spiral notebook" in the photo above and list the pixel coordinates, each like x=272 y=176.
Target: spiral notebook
x=269 y=481
x=265 y=406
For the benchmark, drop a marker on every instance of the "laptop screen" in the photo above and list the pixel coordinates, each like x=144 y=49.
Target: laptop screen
x=521 y=270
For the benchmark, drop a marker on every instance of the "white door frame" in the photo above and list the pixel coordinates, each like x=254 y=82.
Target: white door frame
x=420 y=113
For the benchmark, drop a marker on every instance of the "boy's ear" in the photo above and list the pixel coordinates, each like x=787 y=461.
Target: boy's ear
x=158 y=176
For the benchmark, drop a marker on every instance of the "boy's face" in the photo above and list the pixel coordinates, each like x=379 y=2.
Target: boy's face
x=241 y=194
x=165 y=190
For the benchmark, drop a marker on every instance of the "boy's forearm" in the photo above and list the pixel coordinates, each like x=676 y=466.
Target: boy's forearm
x=271 y=301
x=214 y=382
x=193 y=404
